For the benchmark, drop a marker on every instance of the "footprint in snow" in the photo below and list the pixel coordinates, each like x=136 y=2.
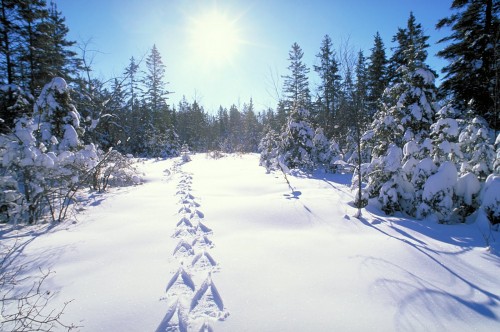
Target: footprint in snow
x=203 y=261
x=185 y=209
x=207 y=302
x=202 y=241
x=183 y=249
x=184 y=222
x=183 y=233
x=181 y=283
x=206 y=327
x=202 y=229
x=175 y=320
x=189 y=202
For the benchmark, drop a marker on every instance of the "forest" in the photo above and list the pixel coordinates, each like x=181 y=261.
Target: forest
x=415 y=147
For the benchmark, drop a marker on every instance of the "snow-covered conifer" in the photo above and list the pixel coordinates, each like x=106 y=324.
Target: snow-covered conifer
x=269 y=149
x=478 y=152
x=321 y=152
x=296 y=144
x=56 y=117
x=437 y=196
x=490 y=198
x=444 y=135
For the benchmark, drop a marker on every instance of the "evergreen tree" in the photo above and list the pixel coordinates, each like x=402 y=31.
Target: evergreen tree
x=33 y=50
x=156 y=113
x=269 y=147
x=235 y=130
x=8 y=28
x=251 y=129
x=329 y=86
x=155 y=93
x=296 y=143
x=59 y=59
x=376 y=75
x=296 y=84
x=410 y=51
x=473 y=49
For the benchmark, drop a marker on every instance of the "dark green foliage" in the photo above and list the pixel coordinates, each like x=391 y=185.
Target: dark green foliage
x=473 y=49
x=296 y=83
x=376 y=75
x=329 y=86
x=410 y=51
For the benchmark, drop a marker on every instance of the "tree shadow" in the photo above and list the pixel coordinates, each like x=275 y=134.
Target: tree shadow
x=427 y=297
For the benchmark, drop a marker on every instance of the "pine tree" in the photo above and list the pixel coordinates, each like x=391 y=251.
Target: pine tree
x=296 y=84
x=410 y=51
x=473 y=49
x=269 y=147
x=57 y=119
x=329 y=86
x=59 y=59
x=156 y=113
x=155 y=93
x=296 y=143
x=376 y=74
x=8 y=28
x=477 y=148
x=251 y=129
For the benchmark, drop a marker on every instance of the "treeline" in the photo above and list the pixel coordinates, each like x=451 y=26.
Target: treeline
x=423 y=150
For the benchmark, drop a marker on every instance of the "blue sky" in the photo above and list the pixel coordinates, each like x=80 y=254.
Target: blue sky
x=120 y=29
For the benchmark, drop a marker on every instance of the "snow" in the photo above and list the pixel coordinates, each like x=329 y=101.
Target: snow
x=281 y=258
x=444 y=179
x=490 y=196
x=467 y=186
x=426 y=74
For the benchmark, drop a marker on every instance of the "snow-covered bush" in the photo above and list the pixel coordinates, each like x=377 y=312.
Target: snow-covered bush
x=321 y=153
x=444 y=135
x=496 y=164
x=478 y=152
x=296 y=144
x=490 y=198
x=185 y=153
x=466 y=196
x=437 y=197
x=394 y=187
x=269 y=150
x=336 y=157
x=110 y=169
x=56 y=118
x=44 y=162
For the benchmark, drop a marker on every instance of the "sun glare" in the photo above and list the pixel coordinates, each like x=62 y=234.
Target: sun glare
x=214 y=38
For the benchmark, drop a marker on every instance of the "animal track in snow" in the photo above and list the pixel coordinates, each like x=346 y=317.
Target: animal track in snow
x=181 y=283
x=183 y=249
x=192 y=308
x=207 y=302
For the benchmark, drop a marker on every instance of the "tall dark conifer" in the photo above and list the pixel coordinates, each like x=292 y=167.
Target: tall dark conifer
x=296 y=83
x=410 y=51
x=473 y=52
x=376 y=74
x=329 y=86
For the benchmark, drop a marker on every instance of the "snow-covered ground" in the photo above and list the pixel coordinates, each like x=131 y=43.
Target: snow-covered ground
x=142 y=258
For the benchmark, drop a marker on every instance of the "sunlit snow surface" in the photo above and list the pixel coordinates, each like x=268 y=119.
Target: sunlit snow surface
x=267 y=257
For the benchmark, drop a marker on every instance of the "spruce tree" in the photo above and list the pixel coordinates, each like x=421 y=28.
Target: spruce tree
x=329 y=86
x=473 y=49
x=376 y=74
x=410 y=51
x=296 y=83
x=296 y=143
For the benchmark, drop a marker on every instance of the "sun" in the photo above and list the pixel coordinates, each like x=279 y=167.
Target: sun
x=214 y=37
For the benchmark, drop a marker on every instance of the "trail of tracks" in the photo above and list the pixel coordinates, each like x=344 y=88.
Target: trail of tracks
x=192 y=298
